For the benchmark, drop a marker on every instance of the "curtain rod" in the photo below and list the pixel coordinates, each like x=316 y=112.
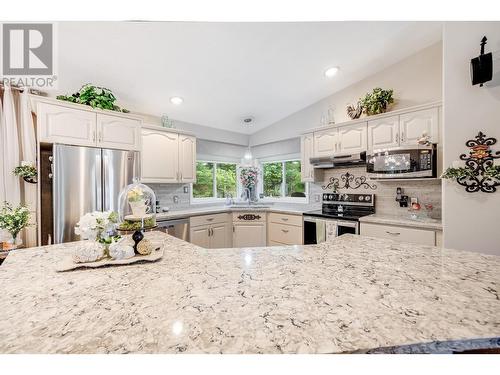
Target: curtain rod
x=20 y=89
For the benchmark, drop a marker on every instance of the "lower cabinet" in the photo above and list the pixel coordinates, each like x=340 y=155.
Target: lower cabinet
x=397 y=233
x=284 y=229
x=210 y=231
x=249 y=229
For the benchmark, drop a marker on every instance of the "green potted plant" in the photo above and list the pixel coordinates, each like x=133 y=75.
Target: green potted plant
x=27 y=171
x=14 y=219
x=377 y=101
x=94 y=96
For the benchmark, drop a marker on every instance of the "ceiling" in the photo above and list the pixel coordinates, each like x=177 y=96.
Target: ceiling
x=227 y=71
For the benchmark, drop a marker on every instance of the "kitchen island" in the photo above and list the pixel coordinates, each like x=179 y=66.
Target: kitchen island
x=353 y=294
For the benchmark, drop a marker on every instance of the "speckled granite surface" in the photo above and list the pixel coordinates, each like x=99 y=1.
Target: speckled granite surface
x=354 y=294
x=405 y=221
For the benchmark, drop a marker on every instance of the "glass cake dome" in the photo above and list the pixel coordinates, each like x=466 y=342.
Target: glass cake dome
x=136 y=208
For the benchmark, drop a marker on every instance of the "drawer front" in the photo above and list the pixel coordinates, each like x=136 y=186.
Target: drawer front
x=401 y=234
x=285 y=219
x=207 y=219
x=249 y=217
x=285 y=234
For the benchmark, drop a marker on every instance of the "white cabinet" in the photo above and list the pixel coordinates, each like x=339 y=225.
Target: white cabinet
x=307 y=152
x=414 y=125
x=404 y=129
x=210 y=231
x=187 y=158
x=118 y=132
x=159 y=156
x=167 y=157
x=249 y=229
x=325 y=142
x=59 y=124
x=284 y=229
x=352 y=139
x=397 y=233
x=383 y=133
x=72 y=126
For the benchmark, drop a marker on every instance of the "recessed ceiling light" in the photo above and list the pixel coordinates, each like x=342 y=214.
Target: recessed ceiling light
x=177 y=100
x=330 y=72
x=247 y=120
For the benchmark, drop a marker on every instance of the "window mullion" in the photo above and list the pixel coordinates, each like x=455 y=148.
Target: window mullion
x=214 y=179
x=282 y=179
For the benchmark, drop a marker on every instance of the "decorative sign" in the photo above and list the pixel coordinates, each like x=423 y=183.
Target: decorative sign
x=249 y=217
x=350 y=182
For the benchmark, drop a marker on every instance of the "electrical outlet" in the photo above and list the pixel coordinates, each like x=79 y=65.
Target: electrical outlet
x=413 y=200
x=186 y=189
x=175 y=199
x=317 y=197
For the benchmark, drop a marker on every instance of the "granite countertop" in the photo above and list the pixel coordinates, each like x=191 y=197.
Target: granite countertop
x=405 y=221
x=352 y=294
x=195 y=211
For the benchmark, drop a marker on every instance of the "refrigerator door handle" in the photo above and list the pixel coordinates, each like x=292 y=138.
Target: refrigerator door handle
x=99 y=186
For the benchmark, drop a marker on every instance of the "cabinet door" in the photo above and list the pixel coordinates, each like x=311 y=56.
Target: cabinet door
x=159 y=156
x=200 y=236
x=249 y=235
x=325 y=142
x=187 y=158
x=414 y=125
x=218 y=236
x=118 y=132
x=306 y=152
x=58 y=124
x=352 y=139
x=383 y=133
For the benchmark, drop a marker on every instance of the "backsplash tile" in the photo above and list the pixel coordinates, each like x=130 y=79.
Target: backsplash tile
x=165 y=193
x=426 y=191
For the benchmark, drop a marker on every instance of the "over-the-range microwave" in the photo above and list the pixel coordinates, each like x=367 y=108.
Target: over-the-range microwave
x=403 y=162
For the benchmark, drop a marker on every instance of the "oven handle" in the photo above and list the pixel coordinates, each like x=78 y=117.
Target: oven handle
x=349 y=224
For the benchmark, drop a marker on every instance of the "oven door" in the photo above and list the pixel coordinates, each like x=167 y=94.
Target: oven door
x=344 y=226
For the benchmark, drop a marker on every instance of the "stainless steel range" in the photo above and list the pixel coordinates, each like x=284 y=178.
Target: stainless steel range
x=340 y=214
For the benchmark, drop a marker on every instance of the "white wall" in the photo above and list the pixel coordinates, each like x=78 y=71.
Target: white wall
x=471 y=220
x=415 y=80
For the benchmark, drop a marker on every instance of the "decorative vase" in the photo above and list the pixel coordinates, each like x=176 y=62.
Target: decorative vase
x=138 y=208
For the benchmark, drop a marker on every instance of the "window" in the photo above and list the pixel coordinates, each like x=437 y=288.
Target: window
x=214 y=180
x=282 y=180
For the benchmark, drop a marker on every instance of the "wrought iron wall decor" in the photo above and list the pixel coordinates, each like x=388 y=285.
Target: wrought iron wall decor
x=349 y=182
x=479 y=161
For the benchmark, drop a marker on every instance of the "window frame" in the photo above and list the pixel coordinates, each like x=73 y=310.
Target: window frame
x=213 y=198
x=282 y=198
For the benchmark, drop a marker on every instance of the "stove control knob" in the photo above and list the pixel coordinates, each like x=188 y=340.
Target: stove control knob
x=330 y=197
x=367 y=198
x=360 y=198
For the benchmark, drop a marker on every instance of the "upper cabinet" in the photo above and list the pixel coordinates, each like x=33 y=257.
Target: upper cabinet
x=414 y=125
x=59 y=124
x=167 y=157
x=351 y=139
x=383 y=133
x=118 y=132
x=404 y=129
x=307 y=152
x=72 y=126
x=187 y=158
x=325 y=142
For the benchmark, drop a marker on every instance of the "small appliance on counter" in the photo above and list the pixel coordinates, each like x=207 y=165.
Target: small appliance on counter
x=403 y=162
x=340 y=214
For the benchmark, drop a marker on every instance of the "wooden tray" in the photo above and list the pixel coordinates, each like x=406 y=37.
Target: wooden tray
x=69 y=264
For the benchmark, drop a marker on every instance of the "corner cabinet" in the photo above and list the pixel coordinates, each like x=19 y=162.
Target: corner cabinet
x=307 y=152
x=60 y=123
x=210 y=231
x=167 y=157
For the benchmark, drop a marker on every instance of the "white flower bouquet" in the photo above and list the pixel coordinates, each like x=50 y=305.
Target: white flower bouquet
x=97 y=226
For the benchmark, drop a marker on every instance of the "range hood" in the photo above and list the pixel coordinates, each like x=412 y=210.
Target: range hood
x=339 y=161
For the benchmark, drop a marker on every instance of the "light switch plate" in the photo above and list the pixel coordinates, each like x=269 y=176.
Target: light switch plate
x=413 y=200
x=186 y=189
x=317 y=197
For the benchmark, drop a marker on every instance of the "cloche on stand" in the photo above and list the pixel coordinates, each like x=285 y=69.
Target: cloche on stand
x=136 y=208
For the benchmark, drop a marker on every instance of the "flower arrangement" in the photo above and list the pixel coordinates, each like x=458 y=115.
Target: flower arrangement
x=249 y=177
x=377 y=101
x=135 y=195
x=27 y=171
x=14 y=219
x=98 y=226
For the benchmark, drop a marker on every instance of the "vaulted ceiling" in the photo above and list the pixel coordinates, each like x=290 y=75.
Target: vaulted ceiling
x=227 y=71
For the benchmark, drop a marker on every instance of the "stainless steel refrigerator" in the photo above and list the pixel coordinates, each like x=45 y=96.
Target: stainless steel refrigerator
x=87 y=179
